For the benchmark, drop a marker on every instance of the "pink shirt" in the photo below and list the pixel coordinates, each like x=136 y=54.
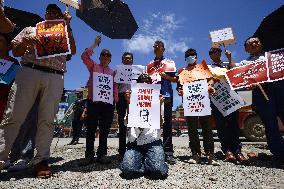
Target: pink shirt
x=94 y=67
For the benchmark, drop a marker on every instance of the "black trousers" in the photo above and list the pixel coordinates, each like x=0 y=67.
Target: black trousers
x=77 y=129
x=121 y=107
x=98 y=113
x=167 y=126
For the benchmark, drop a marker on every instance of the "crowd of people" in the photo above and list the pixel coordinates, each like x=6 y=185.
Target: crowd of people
x=29 y=104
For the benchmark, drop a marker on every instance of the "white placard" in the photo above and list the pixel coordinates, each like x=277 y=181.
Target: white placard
x=156 y=78
x=128 y=73
x=226 y=100
x=72 y=3
x=102 y=88
x=222 y=37
x=144 y=107
x=196 y=100
x=4 y=65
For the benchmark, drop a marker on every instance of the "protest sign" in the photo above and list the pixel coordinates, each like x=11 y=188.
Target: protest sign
x=218 y=72
x=275 y=64
x=53 y=37
x=4 y=65
x=225 y=99
x=144 y=107
x=196 y=99
x=128 y=73
x=244 y=76
x=102 y=88
x=222 y=37
x=165 y=65
x=199 y=72
x=71 y=3
x=8 y=77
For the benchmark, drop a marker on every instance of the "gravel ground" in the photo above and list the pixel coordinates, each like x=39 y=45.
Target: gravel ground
x=68 y=173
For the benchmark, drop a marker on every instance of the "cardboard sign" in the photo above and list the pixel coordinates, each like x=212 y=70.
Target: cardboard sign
x=128 y=73
x=4 y=65
x=102 y=88
x=199 y=72
x=10 y=74
x=53 y=37
x=226 y=100
x=144 y=107
x=71 y=3
x=196 y=99
x=244 y=76
x=222 y=37
x=276 y=64
x=165 y=65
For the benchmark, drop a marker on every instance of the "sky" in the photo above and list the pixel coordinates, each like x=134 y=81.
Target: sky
x=181 y=24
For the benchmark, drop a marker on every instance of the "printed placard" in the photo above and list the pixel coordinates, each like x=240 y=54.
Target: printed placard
x=5 y=65
x=218 y=72
x=72 y=3
x=165 y=65
x=128 y=73
x=196 y=100
x=244 y=76
x=226 y=100
x=222 y=37
x=144 y=107
x=10 y=74
x=200 y=71
x=53 y=37
x=102 y=88
x=275 y=64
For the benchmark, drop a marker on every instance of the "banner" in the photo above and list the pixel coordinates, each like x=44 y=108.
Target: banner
x=53 y=39
x=144 y=107
x=222 y=37
x=7 y=76
x=128 y=73
x=196 y=99
x=276 y=64
x=244 y=76
x=226 y=100
x=165 y=65
x=102 y=88
x=199 y=72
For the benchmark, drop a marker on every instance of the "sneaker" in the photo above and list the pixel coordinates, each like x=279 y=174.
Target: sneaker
x=103 y=159
x=19 y=165
x=170 y=159
x=42 y=170
x=195 y=159
x=212 y=160
x=5 y=164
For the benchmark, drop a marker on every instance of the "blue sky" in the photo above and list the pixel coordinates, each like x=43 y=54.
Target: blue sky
x=181 y=24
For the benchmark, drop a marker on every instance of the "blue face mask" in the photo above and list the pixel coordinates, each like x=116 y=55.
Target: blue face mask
x=191 y=59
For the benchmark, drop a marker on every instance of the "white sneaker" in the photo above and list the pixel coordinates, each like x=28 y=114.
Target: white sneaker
x=18 y=165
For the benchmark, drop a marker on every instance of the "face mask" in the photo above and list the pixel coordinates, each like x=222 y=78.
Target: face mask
x=191 y=59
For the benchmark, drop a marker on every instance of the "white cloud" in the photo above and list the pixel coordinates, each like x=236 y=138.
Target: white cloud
x=158 y=27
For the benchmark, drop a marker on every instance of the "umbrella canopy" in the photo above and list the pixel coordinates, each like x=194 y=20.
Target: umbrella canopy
x=271 y=30
x=21 y=18
x=112 y=18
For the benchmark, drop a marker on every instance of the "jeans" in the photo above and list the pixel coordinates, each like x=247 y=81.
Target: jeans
x=228 y=130
x=98 y=113
x=194 y=143
x=268 y=112
x=121 y=107
x=148 y=159
x=167 y=126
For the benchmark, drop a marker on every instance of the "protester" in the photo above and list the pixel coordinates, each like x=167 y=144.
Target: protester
x=78 y=118
x=38 y=77
x=145 y=153
x=6 y=25
x=194 y=142
x=268 y=110
x=98 y=112
x=167 y=92
x=227 y=126
x=121 y=106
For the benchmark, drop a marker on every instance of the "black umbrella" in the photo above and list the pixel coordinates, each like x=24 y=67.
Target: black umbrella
x=110 y=17
x=271 y=30
x=21 y=18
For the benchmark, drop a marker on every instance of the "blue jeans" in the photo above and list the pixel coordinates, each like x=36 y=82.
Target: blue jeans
x=268 y=112
x=148 y=159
